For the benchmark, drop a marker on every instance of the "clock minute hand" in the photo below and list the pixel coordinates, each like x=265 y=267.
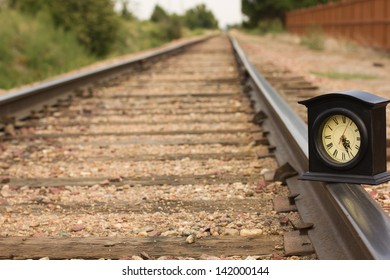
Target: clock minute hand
x=342 y=135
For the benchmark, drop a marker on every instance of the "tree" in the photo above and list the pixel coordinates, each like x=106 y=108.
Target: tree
x=200 y=17
x=263 y=10
x=94 y=22
x=125 y=13
x=28 y=6
x=159 y=14
x=170 y=25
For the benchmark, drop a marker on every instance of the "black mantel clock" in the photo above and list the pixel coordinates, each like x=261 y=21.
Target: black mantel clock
x=347 y=138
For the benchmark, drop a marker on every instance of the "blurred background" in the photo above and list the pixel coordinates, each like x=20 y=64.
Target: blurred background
x=43 y=38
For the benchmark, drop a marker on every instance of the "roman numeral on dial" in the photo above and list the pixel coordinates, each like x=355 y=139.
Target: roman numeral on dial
x=340 y=137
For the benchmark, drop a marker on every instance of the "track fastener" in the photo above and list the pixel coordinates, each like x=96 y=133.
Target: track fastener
x=291 y=198
x=303 y=228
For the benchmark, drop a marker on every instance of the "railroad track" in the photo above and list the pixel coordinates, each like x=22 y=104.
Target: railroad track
x=170 y=158
x=155 y=164
x=364 y=230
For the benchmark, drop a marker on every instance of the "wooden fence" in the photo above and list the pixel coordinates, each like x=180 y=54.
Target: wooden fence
x=364 y=21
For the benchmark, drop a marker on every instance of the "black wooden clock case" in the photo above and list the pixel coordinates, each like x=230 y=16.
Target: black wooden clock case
x=368 y=111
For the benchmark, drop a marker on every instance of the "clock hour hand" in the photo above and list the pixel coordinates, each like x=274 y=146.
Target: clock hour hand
x=346 y=144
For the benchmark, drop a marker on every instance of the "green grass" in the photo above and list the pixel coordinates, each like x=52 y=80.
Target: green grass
x=140 y=35
x=345 y=76
x=266 y=27
x=31 y=50
x=314 y=39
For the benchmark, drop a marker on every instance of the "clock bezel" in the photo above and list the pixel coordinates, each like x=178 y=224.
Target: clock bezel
x=318 y=126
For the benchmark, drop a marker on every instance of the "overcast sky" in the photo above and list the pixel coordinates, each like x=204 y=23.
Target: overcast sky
x=226 y=11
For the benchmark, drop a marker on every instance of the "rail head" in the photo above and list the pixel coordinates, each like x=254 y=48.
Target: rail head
x=348 y=223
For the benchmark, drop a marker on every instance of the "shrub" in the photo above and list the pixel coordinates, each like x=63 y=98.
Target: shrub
x=32 y=49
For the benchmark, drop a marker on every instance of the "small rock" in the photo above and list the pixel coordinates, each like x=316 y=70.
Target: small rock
x=207 y=257
x=166 y=258
x=136 y=258
x=190 y=239
x=52 y=207
x=264 y=170
x=105 y=183
x=279 y=247
x=115 y=180
x=10 y=130
x=5 y=191
x=110 y=244
x=211 y=217
x=169 y=233
x=143 y=233
x=118 y=226
x=231 y=232
x=4 y=165
x=147 y=228
x=77 y=227
x=145 y=256
x=252 y=258
x=186 y=232
x=373 y=193
x=56 y=190
x=269 y=176
x=202 y=234
x=276 y=256
x=214 y=230
x=34 y=224
x=249 y=194
x=251 y=232
x=154 y=233
x=3 y=201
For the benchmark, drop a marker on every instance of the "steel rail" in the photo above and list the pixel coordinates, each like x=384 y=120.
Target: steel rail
x=348 y=223
x=20 y=103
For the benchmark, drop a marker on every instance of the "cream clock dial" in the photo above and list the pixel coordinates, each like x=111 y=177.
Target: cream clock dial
x=341 y=139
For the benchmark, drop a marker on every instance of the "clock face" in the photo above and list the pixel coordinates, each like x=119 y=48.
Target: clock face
x=340 y=139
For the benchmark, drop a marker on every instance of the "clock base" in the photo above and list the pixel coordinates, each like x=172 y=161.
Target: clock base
x=346 y=178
